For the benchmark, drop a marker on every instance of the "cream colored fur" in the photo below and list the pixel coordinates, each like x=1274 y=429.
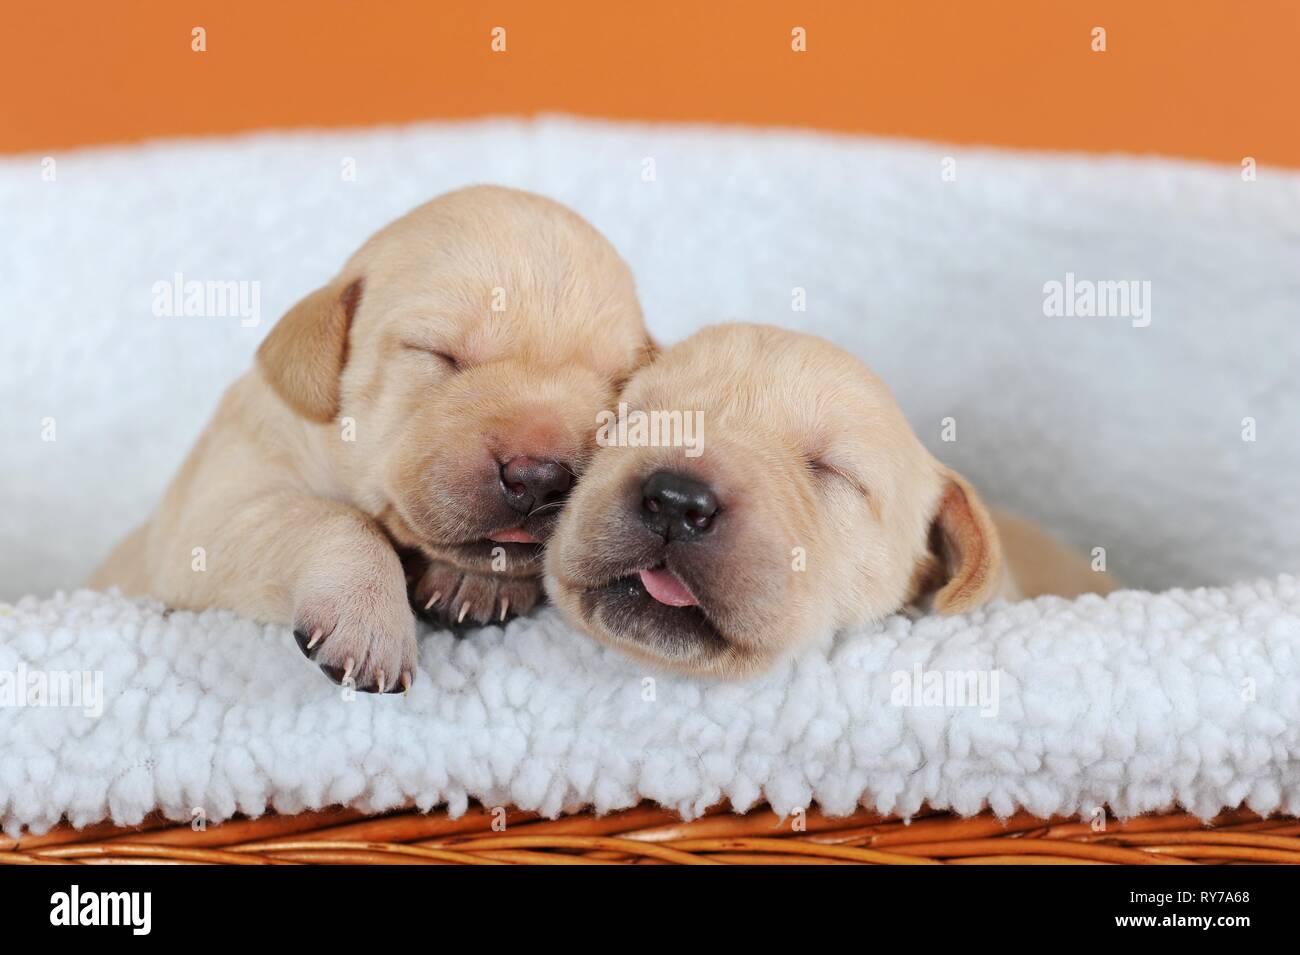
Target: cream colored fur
x=486 y=324
x=832 y=511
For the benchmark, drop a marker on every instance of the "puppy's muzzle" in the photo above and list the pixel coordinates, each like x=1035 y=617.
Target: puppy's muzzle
x=678 y=508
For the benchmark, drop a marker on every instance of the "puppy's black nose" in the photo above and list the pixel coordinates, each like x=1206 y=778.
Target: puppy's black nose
x=528 y=483
x=677 y=507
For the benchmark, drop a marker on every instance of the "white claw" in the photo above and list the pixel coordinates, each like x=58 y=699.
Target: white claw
x=380 y=681
x=464 y=609
x=315 y=638
x=433 y=600
x=505 y=608
x=348 y=667
x=406 y=681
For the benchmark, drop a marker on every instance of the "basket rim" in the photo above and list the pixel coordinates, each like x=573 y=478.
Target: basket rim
x=651 y=834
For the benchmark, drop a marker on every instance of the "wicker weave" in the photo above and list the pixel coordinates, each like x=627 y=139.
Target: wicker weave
x=648 y=835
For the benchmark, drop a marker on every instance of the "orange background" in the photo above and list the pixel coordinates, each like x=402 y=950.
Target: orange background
x=1210 y=79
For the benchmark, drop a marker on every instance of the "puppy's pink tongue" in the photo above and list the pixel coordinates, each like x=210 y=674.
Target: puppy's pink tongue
x=665 y=586
x=513 y=535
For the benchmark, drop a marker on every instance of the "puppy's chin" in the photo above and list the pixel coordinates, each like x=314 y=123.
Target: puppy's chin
x=684 y=637
x=492 y=555
x=468 y=539
x=696 y=640
x=491 y=536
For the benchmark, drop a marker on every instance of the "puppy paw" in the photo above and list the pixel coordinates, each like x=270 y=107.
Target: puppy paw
x=360 y=631
x=448 y=596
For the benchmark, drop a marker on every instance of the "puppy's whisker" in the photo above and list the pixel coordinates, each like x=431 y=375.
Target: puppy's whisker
x=544 y=507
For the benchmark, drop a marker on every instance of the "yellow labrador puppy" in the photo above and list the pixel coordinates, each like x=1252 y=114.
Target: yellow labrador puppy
x=436 y=397
x=802 y=504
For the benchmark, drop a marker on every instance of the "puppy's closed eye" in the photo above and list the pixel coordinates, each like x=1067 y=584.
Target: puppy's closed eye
x=821 y=467
x=449 y=360
x=825 y=470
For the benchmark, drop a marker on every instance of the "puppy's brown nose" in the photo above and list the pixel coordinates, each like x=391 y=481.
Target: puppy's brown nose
x=528 y=483
x=677 y=507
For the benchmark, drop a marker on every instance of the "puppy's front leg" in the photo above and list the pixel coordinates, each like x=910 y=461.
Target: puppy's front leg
x=447 y=592
x=320 y=566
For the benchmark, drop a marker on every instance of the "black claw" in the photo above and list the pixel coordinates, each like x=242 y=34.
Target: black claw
x=441 y=617
x=334 y=673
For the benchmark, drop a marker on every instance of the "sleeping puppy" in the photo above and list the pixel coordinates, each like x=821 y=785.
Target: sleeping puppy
x=434 y=398
x=809 y=506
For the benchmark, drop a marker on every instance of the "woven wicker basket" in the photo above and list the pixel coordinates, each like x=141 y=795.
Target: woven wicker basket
x=649 y=835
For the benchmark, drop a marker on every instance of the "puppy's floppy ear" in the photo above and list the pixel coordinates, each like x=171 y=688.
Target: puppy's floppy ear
x=304 y=355
x=964 y=567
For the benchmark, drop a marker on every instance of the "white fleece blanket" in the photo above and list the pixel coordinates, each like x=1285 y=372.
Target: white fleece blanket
x=1136 y=702
x=1114 y=432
